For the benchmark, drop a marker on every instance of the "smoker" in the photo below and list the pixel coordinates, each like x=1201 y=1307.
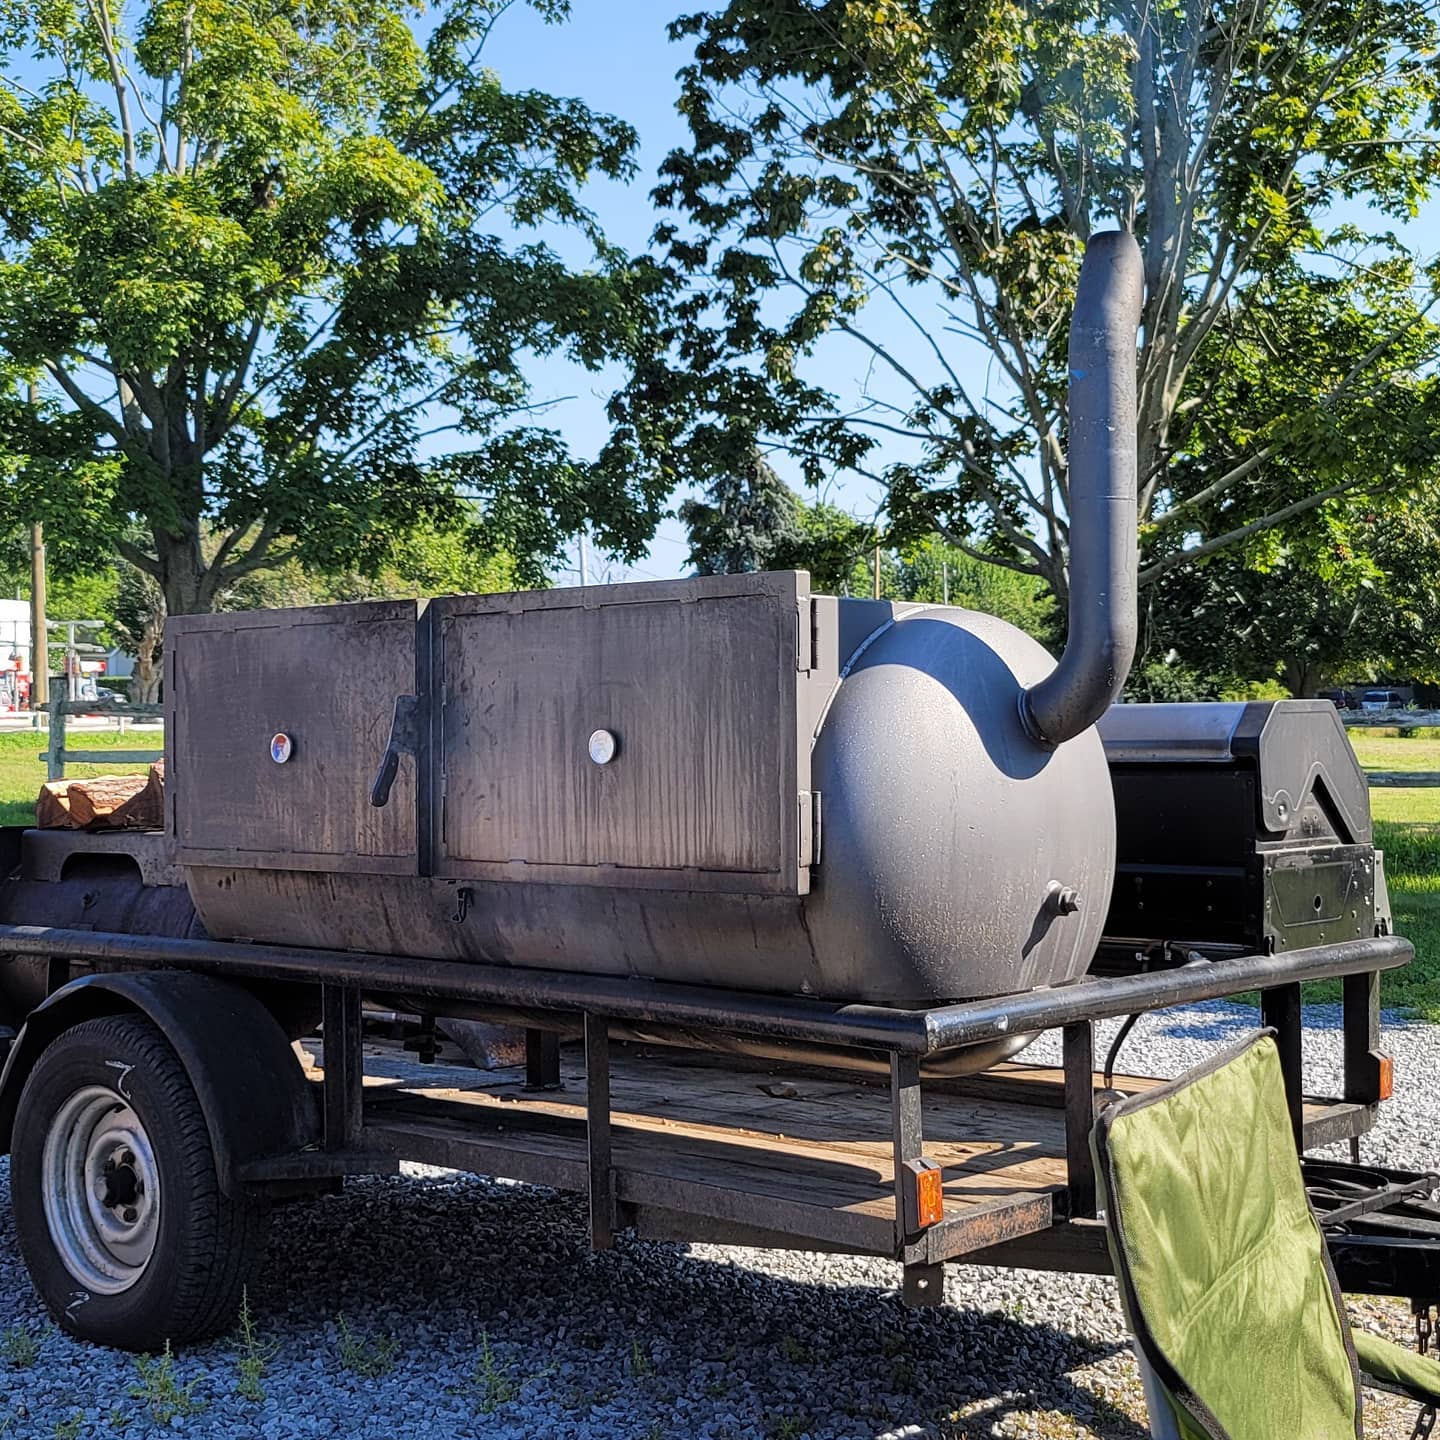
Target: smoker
x=1242 y=828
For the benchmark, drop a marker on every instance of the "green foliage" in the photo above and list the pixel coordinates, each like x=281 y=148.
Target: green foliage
x=748 y=518
x=1168 y=680
x=915 y=179
x=252 y=1355
x=19 y=1345
x=368 y=1356
x=270 y=273
x=930 y=570
x=490 y=1382
x=160 y=1388
x=1352 y=590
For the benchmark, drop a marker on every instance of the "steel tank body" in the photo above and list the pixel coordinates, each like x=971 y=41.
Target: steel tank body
x=961 y=857
x=958 y=856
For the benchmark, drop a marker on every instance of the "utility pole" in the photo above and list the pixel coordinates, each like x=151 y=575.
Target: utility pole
x=945 y=582
x=584 y=560
x=877 y=572
x=39 y=632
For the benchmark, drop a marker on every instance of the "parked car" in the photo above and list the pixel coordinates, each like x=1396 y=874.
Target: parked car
x=1341 y=699
x=1374 y=702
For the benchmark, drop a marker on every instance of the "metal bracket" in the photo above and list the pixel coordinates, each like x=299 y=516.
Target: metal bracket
x=1280 y=1009
x=1079 y=1061
x=344 y=1067
x=923 y=1280
x=542 y=1060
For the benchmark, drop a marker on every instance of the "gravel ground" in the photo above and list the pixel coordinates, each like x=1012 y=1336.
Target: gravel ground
x=448 y=1306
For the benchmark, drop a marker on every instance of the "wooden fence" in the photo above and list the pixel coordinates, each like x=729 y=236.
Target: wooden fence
x=58 y=755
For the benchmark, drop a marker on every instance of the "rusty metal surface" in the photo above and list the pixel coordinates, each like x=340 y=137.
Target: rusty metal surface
x=46 y=854
x=325 y=677
x=942 y=829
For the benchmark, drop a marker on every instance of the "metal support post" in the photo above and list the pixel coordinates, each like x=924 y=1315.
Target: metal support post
x=597 y=1132
x=1079 y=1064
x=1363 y=1057
x=924 y=1280
x=1280 y=1009
x=344 y=1067
x=542 y=1060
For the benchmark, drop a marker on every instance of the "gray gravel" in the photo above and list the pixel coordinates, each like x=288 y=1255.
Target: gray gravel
x=449 y=1306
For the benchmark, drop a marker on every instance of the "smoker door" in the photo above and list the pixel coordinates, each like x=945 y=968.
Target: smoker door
x=323 y=679
x=692 y=684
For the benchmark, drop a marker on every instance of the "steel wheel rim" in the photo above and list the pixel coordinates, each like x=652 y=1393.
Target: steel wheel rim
x=101 y=1190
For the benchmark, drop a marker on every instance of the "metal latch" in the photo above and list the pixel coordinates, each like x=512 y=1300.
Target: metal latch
x=404 y=740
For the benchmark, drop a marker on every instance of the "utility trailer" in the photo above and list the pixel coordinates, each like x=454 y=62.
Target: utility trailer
x=756 y=1138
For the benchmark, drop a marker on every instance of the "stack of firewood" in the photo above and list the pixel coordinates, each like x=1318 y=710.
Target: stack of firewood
x=109 y=802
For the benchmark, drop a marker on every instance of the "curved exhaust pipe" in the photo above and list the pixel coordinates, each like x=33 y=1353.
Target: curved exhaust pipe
x=1103 y=547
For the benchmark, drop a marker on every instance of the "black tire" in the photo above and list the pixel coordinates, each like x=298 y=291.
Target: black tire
x=205 y=1242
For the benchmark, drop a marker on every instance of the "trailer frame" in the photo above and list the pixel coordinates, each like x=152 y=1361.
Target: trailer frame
x=1051 y=1229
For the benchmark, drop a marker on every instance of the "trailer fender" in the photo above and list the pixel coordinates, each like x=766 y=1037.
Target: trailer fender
x=246 y=1076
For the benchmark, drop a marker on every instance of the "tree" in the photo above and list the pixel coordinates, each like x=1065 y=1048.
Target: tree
x=270 y=267
x=747 y=518
x=139 y=628
x=915 y=179
x=1354 y=593
x=936 y=572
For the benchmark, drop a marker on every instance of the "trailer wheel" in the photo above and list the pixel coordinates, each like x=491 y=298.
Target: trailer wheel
x=123 y=1225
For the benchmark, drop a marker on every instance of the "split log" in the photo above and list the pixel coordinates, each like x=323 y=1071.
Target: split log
x=109 y=802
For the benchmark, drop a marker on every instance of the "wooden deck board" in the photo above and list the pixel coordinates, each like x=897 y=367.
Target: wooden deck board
x=815 y=1145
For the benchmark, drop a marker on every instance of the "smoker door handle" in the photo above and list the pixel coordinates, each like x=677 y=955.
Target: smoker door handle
x=404 y=740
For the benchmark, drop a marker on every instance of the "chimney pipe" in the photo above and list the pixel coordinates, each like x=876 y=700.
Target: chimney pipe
x=1103 y=550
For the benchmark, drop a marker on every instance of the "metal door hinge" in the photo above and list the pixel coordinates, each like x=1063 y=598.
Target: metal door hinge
x=804 y=634
x=809 y=827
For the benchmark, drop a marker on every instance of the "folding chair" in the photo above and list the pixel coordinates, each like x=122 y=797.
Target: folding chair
x=1224 y=1276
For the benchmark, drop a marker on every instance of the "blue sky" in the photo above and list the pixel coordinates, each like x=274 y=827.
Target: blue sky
x=617 y=59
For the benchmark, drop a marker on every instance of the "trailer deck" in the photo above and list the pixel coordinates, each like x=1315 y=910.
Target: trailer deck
x=733 y=1151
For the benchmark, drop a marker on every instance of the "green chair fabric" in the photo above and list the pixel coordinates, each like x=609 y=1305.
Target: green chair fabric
x=1223 y=1271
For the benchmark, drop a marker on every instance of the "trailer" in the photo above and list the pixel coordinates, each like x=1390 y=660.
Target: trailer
x=774 y=889
x=681 y=1112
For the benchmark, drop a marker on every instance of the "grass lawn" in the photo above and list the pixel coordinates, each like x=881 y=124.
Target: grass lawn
x=22 y=773
x=1407 y=828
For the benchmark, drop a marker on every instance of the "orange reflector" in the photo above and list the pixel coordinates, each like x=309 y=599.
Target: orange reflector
x=1387 y=1076
x=930 y=1196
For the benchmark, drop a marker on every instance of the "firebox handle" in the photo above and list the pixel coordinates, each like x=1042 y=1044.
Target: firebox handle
x=404 y=740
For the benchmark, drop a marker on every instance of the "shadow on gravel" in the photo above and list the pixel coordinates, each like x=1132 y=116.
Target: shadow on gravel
x=497 y=1307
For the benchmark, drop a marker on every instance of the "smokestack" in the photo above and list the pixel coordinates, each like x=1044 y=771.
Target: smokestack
x=1103 y=552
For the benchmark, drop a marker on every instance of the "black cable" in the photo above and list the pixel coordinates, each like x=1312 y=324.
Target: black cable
x=1119 y=1040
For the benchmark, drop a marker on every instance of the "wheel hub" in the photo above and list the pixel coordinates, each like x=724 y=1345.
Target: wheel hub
x=101 y=1190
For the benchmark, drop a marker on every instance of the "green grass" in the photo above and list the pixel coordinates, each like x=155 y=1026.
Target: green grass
x=22 y=773
x=1407 y=829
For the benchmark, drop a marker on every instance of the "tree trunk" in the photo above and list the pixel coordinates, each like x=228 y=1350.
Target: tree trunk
x=145 y=683
x=184 y=575
x=1302 y=678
